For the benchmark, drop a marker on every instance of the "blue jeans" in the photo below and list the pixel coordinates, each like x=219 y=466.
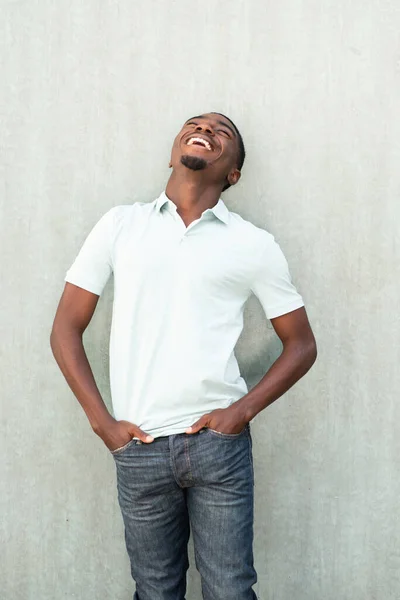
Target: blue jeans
x=201 y=482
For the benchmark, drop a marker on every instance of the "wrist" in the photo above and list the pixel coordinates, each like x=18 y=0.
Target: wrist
x=241 y=411
x=99 y=425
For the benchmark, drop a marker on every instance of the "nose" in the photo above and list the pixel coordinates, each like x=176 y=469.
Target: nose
x=205 y=128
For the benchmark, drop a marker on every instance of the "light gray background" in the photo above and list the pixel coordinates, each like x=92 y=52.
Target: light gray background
x=92 y=95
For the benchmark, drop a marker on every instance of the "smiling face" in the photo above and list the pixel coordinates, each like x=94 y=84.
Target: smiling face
x=208 y=143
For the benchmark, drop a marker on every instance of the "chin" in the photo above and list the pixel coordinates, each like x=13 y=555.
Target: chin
x=195 y=163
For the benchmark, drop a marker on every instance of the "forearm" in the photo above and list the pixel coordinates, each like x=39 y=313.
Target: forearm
x=67 y=346
x=294 y=362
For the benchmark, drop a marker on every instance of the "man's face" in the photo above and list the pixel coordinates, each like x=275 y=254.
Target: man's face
x=208 y=143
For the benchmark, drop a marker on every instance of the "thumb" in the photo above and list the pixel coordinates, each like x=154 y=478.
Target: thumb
x=202 y=422
x=142 y=435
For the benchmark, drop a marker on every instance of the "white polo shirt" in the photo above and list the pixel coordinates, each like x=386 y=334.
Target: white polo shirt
x=179 y=294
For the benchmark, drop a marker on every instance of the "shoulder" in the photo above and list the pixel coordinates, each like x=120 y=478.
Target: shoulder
x=124 y=212
x=256 y=238
x=127 y=215
x=259 y=245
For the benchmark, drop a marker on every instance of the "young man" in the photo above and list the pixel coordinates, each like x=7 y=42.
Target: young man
x=183 y=266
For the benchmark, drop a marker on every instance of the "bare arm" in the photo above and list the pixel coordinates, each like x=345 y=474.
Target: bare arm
x=73 y=315
x=298 y=355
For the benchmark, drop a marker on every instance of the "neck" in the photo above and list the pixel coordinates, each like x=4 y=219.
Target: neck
x=191 y=194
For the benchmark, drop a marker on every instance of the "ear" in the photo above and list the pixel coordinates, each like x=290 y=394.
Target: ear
x=234 y=176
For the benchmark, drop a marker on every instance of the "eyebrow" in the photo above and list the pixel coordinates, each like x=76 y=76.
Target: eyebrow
x=220 y=122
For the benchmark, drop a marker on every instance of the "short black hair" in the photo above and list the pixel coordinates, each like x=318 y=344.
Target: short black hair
x=242 y=151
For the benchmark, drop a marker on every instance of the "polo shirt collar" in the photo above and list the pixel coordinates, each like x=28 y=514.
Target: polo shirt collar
x=219 y=210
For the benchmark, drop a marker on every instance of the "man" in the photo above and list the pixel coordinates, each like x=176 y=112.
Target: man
x=183 y=266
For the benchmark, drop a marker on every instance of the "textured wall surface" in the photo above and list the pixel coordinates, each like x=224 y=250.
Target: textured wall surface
x=91 y=97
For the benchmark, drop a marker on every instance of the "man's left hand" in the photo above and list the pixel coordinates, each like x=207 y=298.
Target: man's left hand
x=223 y=420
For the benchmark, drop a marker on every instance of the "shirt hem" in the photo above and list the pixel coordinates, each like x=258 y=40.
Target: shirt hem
x=93 y=289
x=283 y=310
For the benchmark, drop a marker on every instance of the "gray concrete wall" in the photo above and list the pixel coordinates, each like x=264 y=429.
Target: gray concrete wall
x=92 y=95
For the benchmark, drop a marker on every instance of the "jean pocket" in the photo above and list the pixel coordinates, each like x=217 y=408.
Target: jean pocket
x=124 y=447
x=227 y=435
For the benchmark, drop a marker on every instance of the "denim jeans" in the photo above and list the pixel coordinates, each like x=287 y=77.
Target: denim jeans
x=201 y=482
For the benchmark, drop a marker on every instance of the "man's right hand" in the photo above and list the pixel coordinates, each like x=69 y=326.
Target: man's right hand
x=74 y=313
x=118 y=433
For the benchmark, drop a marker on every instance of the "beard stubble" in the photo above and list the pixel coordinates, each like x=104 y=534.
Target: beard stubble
x=195 y=163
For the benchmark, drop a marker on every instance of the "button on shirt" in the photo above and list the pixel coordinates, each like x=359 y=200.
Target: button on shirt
x=179 y=295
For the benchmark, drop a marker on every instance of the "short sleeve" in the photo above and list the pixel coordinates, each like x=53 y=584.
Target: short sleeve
x=93 y=265
x=272 y=283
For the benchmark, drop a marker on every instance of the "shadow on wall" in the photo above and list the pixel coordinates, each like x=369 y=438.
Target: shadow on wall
x=258 y=346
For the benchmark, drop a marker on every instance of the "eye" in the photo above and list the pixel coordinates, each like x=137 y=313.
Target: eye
x=191 y=123
x=224 y=132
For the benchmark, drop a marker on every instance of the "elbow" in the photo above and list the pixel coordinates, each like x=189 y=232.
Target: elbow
x=62 y=333
x=313 y=352
x=303 y=351
x=310 y=351
x=54 y=338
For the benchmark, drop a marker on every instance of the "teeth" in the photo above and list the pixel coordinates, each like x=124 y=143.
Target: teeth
x=200 y=140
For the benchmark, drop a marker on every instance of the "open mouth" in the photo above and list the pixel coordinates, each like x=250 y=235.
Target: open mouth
x=198 y=141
